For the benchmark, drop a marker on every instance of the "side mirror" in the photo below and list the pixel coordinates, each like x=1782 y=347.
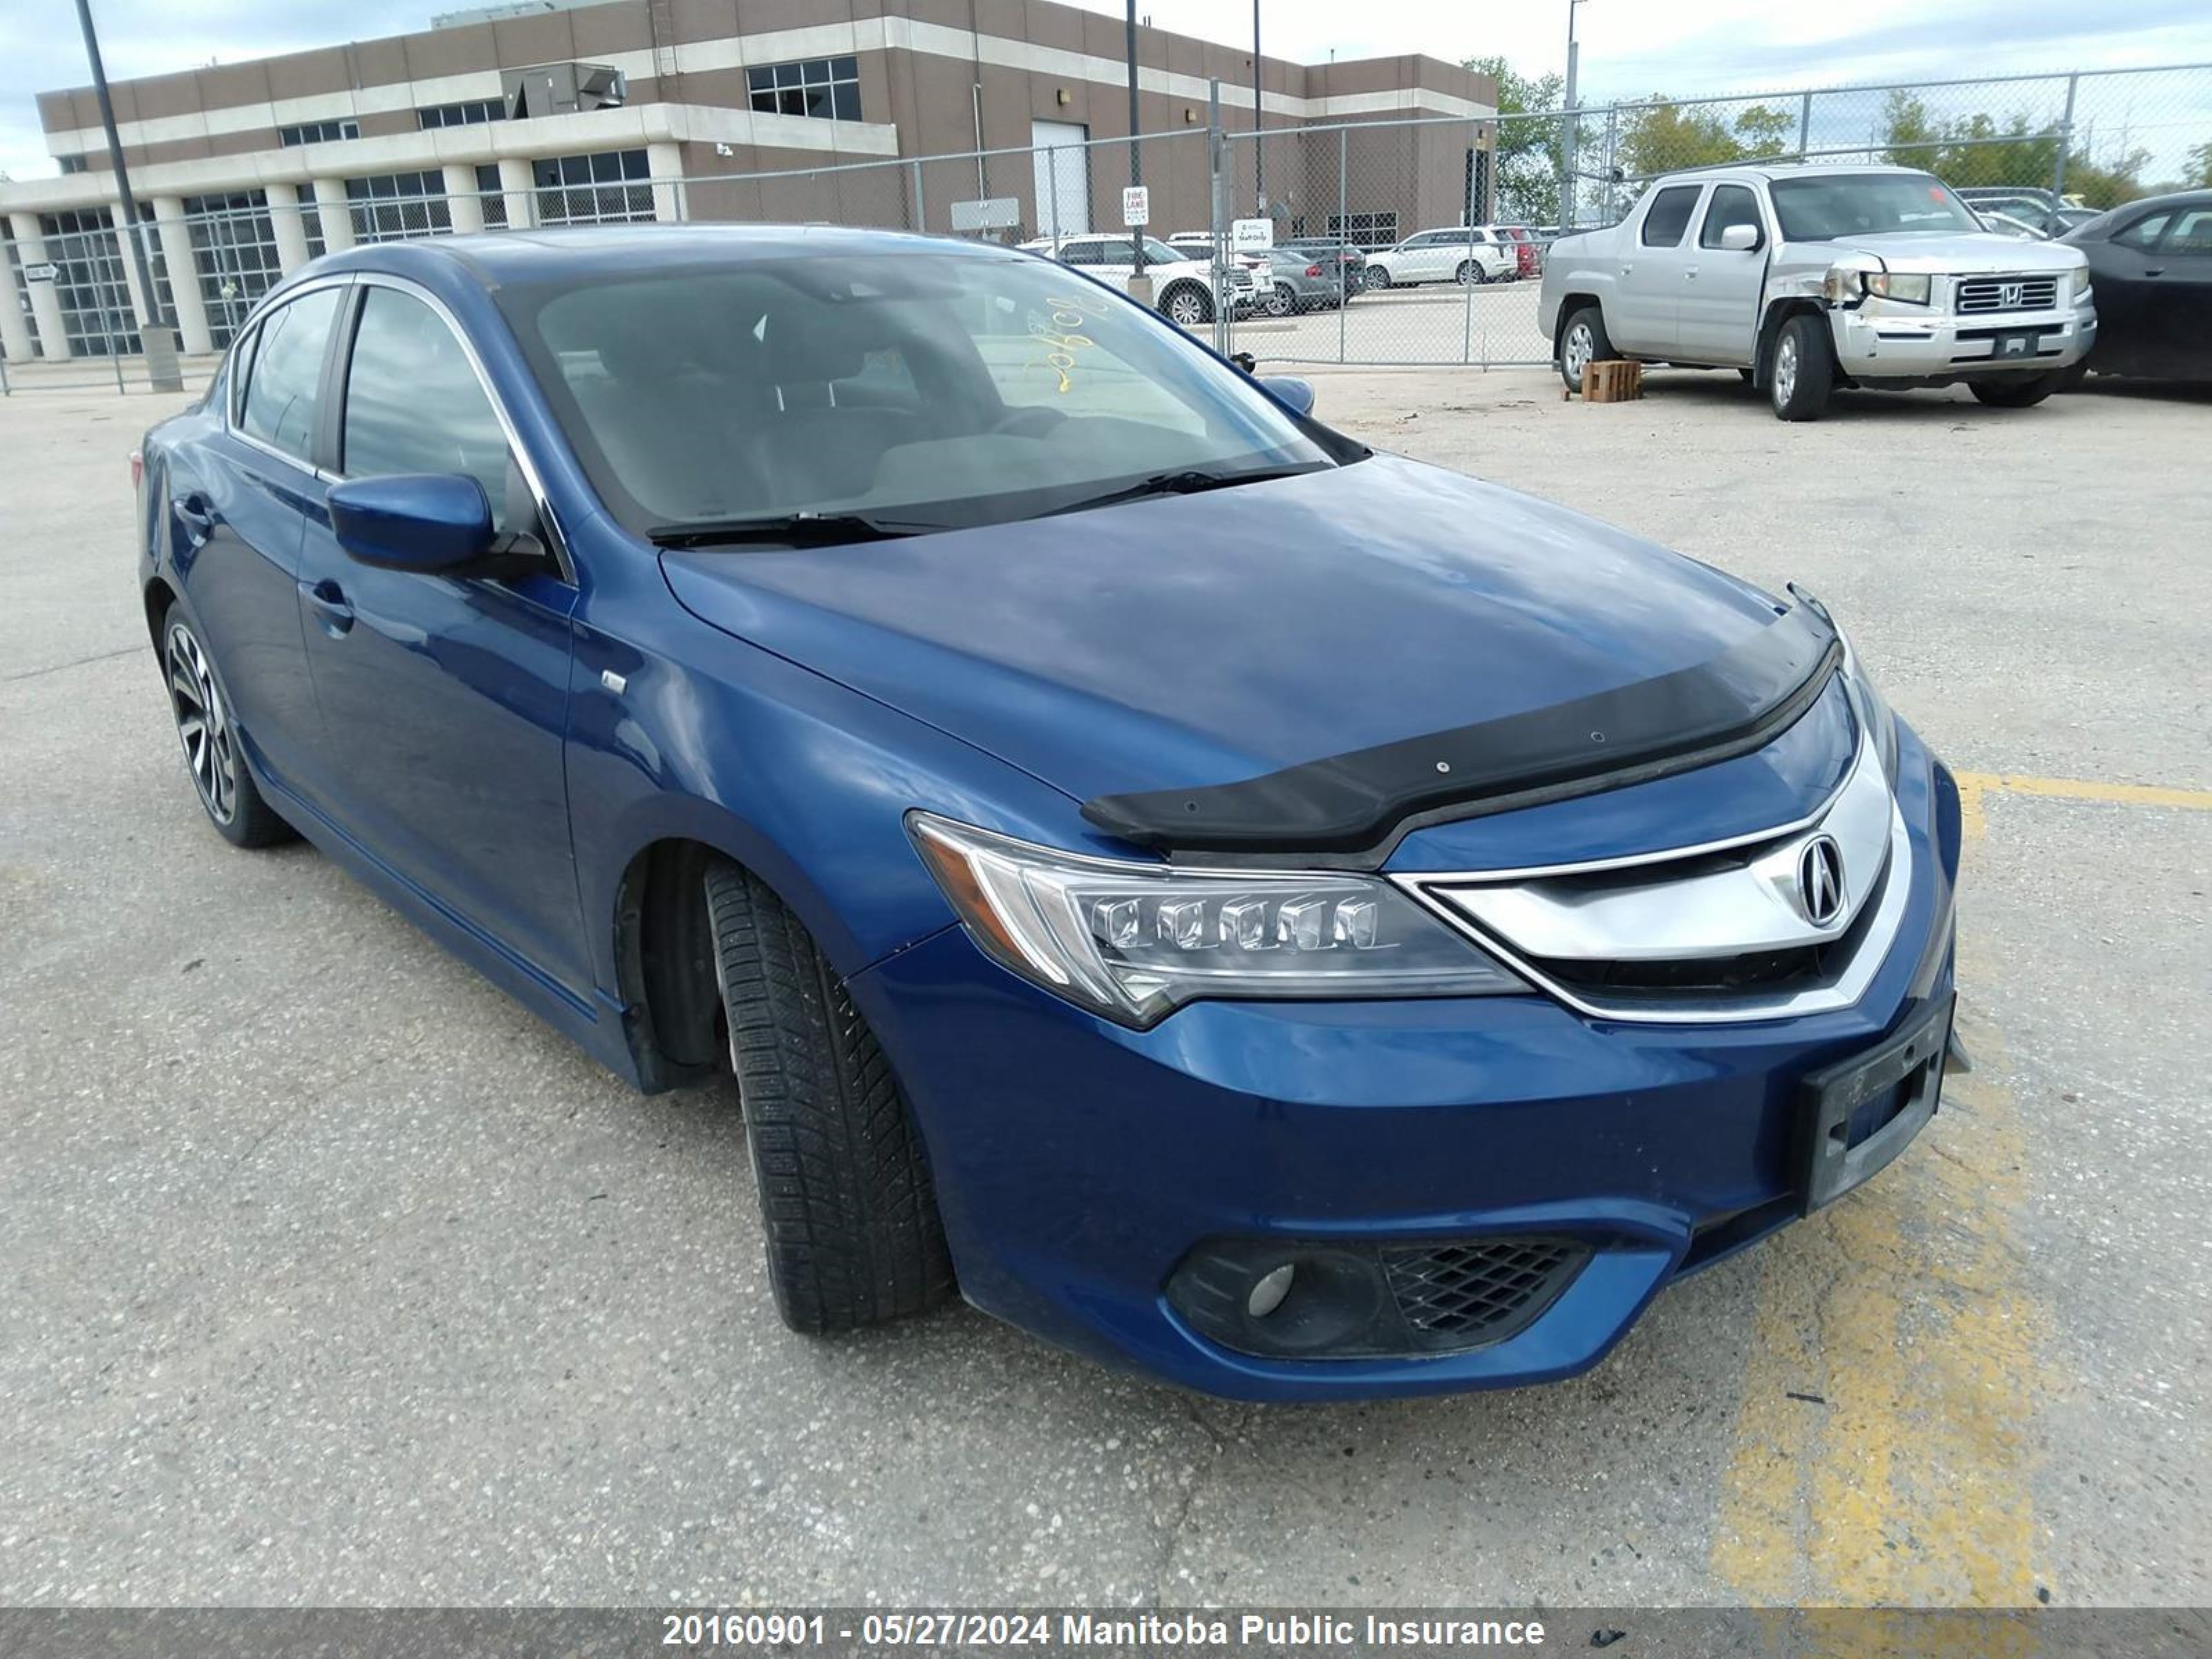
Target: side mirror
x=430 y=522
x=1294 y=394
x=1738 y=239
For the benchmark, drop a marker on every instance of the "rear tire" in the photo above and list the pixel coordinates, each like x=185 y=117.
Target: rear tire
x=1377 y=278
x=214 y=755
x=1583 y=341
x=1803 y=372
x=846 y=1199
x=1281 y=302
x=1470 y=274
x=2023 y=393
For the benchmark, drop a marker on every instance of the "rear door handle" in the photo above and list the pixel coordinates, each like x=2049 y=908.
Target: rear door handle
x=1690 y=275
x=2156 y=270
x=195 y=515
x=329 y=600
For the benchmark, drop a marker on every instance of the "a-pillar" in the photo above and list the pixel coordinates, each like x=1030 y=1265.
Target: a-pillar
x=46 y=303
x=287 y=219
x=331 y=208
x=177 y=253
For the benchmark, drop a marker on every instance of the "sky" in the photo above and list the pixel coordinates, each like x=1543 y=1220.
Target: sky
x=1630 y=48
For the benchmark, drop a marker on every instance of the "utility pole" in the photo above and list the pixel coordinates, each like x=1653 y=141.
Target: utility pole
x=155 y=316
x=1258 y=155
x=1568 y=136
x=1136 y=164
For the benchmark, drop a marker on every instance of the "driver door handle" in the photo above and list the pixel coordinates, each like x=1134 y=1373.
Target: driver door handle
x=192 y=512
x=329 y=600
x=1689 y=274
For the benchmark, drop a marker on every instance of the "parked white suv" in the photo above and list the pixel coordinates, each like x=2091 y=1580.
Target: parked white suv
x=1183 y=286
x=1478 y=253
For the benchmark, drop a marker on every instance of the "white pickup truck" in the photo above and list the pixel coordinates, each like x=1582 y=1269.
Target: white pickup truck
x=1803 y=278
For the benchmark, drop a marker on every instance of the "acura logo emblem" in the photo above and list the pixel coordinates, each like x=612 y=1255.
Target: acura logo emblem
x=1820 y=880
x=2008 y=295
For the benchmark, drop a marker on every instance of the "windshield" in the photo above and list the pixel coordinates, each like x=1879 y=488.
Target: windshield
x=935 y=389
x=1826 y=206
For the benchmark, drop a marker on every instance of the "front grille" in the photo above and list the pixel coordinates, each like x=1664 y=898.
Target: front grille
x=2008 y=292
x=1458 y=1295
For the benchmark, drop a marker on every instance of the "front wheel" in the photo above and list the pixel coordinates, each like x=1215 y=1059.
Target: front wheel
x=1581 y=342
x=846 y=1199
x=1804 y=369
x=213 y=754
x=1188 y=306
x=2016 y=392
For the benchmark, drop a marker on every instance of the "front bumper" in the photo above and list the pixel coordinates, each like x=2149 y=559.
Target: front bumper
x=1875 y=344
x=1078 y=1164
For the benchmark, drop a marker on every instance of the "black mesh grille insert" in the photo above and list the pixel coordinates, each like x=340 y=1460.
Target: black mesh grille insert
x=1463 y=1293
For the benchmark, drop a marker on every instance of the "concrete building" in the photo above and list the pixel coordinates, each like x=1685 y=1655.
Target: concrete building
x=550 y=113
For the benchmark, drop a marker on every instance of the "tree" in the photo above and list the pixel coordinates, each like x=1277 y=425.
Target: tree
x=1979 y=149
x=1764 y=131
x=2199 y=171
x=1528 y=137
x=1658 y=136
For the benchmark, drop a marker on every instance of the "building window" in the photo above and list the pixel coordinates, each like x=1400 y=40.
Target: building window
x=826 y=87
x=318 y=132
x=391 y=207
x=609 y=188
x=235 y=253
x=473 y=113
x=490 y=198
x=1365 y=229
x=74 y=163
x=89 y=283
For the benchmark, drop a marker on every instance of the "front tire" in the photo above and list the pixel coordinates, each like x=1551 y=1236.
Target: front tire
x=213 y=753
x=1187 y=306
x=846 y=1199
x=1803 y=372
x=2018 y=393
x=1583 y=342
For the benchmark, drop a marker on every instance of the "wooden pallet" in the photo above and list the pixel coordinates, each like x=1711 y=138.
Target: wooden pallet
x=1615 y=380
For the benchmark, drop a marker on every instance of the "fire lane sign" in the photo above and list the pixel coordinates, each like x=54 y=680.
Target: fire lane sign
x=1136 y=206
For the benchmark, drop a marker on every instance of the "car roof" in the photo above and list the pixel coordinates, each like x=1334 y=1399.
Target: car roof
x=495 y=258
x=1773 y=170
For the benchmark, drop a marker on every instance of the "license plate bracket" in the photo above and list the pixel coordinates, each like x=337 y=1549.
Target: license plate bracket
x=1828 y=1165
x=2015 y=343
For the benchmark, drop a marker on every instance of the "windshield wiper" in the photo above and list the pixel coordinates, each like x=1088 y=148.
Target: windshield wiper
x=787 y=529
x=1189 y=483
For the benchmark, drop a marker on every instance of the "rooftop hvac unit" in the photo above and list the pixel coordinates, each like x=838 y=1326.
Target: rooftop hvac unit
x=561 y=89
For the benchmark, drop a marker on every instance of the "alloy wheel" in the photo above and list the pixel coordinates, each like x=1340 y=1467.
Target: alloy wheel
x=1579 y=350
x=1187 y=309
x=1279 y=301
x=1785 y=370
x=202 y=725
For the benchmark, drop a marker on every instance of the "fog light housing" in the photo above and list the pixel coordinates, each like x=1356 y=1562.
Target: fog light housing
x=1320 y=1299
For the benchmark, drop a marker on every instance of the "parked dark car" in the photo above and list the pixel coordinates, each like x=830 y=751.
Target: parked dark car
x=1289 y=919
x=2151 y=263
x=1329 y=253
x=1301 y=283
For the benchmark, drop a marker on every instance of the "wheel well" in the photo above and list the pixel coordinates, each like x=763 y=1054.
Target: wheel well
x=160 y=596
x=1184 y=285
x=1569 y=304
x=1777 y=314
x=665 y=965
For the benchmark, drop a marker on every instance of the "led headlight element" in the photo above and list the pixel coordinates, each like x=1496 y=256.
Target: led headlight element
x=1871 y=709
x=1135 y=941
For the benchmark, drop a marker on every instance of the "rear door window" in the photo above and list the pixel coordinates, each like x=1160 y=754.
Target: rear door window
x=282 y=386
x=1669 y=216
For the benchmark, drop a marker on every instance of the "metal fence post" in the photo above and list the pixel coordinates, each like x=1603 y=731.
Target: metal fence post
x=921 y=213
x=1804 y=123
x=1052 y=186
x=1470 y=273
x=1343 y=238
x=2065 y=138
x=1216 y=148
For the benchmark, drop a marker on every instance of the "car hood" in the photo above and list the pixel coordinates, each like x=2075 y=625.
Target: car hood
x=1969 y=252
x=1178 y=641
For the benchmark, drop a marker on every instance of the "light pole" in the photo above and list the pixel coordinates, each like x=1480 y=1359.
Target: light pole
x=155 y=316
x=1136 y=164
x=1568 y=135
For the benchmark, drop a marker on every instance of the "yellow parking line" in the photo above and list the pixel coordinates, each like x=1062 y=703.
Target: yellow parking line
x=1882 y=1450
x=2125 y=794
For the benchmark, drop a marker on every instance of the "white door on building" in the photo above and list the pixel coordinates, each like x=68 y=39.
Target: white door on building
x=1063 y=176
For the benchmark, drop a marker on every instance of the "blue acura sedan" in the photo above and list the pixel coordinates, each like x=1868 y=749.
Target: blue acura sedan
x=1294 y=921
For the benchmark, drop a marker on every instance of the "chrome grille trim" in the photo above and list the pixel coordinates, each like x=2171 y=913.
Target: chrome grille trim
x=1842 y=991
x=1988 y=294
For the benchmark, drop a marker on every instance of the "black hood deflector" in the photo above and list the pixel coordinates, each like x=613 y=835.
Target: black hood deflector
x=1354 y=807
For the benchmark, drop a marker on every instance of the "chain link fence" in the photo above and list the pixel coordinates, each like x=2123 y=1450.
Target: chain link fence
x=1397 y=241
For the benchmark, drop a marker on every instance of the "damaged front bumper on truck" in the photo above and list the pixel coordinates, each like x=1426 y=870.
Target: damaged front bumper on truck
x=1968 y=327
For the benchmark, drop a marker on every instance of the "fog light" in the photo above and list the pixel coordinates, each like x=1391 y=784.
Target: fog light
x=1268 y=1293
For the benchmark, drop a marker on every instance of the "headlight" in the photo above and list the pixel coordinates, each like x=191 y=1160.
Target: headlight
x=1896 y=285
x=1871 y=709
x=2081 y=284
x=1135 y=941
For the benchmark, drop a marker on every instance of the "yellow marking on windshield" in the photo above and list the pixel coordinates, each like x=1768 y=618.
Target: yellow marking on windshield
x=1061 y=337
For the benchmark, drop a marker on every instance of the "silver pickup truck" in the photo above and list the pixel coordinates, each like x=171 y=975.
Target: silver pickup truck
x=1803 y=278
